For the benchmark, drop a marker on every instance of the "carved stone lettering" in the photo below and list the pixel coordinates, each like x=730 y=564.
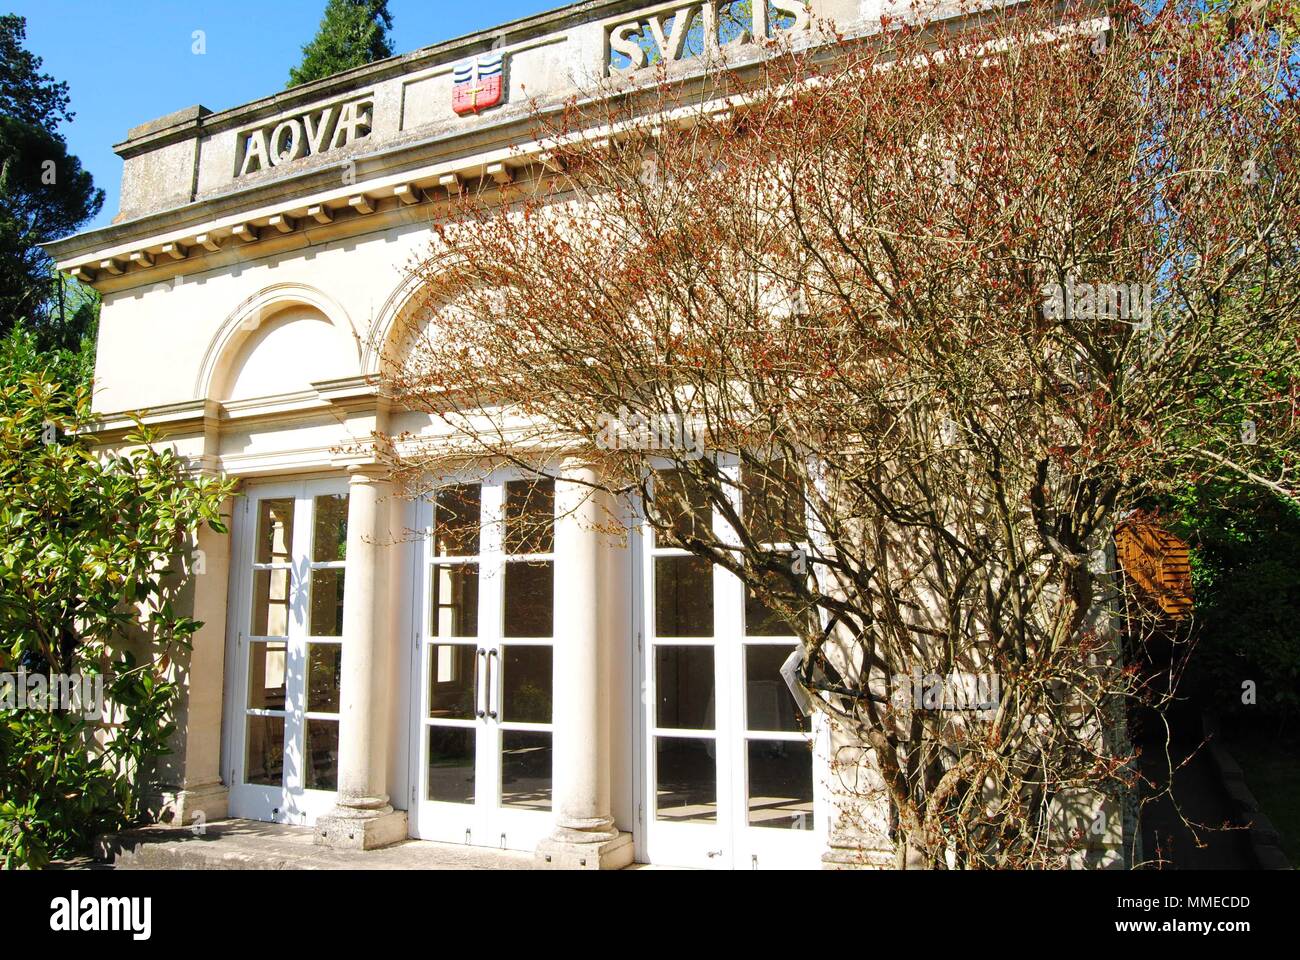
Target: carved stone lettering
x=667 y=34
x=304 y=135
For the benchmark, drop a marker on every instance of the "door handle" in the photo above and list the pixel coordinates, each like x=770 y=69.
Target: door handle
x=480 y=710
x=492 y=714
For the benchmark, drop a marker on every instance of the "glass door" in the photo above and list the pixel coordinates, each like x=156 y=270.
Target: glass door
x=289 y=651
x=483 y=744
x=729 y=767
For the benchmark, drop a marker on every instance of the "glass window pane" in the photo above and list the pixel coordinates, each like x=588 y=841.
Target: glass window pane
x=266 y=675
x=530 y=599
x=324 y=669
x=270 y=603
x=330 y=538
x=456 y=521
x=327 y=603
x=686 y=788
x=530 y=516
x=274 y=531
x=761 y=620
x=768 y=702
x=773 y=503
x=681 y=505
x=780 y=784
x=684 y=687
x=264 y=751
x=451 y=764
x=525 y=684
x=455 y=600
x=526 y=769
x=322 y=752
x=683 y=597
x=452 y=684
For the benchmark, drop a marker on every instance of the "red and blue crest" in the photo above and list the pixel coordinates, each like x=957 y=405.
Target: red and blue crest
x=476 y=84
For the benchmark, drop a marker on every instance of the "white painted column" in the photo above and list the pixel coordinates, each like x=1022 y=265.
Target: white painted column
x=362 y=817
x=585 y=836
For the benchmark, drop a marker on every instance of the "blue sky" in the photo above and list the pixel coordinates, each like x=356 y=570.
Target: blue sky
x=130 y=61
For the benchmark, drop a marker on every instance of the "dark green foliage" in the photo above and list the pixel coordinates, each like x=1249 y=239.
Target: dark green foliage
x=352 y=33
x=26 y=94
x=1246 y=577
x=44 y=192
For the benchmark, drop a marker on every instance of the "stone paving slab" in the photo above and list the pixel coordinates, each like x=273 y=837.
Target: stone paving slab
x=250 y=845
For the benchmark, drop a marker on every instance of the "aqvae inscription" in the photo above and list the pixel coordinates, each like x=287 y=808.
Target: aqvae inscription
x=677 y=33
x=305 y=135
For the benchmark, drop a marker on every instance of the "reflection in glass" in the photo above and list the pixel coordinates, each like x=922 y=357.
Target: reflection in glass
x=683 y=597
x=274 y=531
x=769 y=704
x=529 y=599
x=763 y=621
x=456 y=521
x=525 y=684
x=773 y=503
x=452 y=680
x=682 y=505
x=324 y=670
x=455 y=600
x=686 y=787
x=684 y=687
x=264 y=751
x=330 y=539
x=270 y=603
x=780 y=784
x=266 y=675
x=451 y=764
x=526 y=769
x=530 y=516
x=322 y=752
x=327 y=602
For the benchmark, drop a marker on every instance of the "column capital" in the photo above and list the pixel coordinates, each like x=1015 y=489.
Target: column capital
x=368 y=473
x=572 y=463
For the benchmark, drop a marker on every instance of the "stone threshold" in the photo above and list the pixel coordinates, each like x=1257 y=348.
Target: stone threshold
x=252 y=845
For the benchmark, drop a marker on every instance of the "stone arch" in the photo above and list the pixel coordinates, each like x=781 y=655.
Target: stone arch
x=389 y=330
x=260 y=321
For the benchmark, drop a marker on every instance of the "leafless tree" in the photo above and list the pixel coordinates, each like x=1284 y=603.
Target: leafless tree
x=938 y=306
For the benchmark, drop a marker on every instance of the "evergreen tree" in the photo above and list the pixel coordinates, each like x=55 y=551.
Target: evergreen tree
x=352 y=33
x=44 y=191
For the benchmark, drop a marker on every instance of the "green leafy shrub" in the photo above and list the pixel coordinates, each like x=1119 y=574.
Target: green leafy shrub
x=92 y=550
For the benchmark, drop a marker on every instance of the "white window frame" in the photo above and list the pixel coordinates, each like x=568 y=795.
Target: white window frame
x=291 y=802
x=730 y=842
x=485 y=822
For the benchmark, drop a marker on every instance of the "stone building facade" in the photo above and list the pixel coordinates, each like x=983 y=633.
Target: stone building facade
x=353 y=677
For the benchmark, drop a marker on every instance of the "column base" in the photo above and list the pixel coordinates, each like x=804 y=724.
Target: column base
x=611 y=854
x=202 y=803
x=350 y=832
x=846 y=855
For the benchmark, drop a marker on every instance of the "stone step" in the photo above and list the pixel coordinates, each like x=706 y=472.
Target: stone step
x=249 y=845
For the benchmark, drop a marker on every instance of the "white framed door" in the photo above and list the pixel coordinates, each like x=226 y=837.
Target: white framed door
x=730 y=778
x=481 y=755
x=291 y=568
